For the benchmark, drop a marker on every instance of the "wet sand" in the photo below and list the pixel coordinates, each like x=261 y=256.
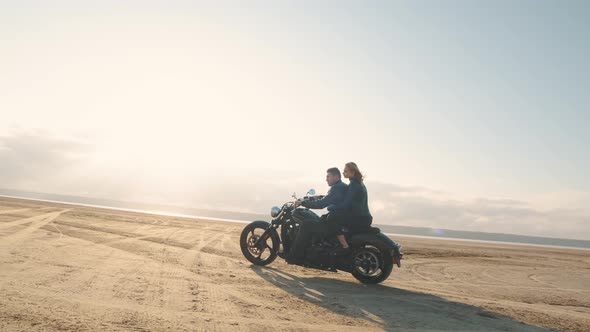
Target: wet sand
x=72 y=268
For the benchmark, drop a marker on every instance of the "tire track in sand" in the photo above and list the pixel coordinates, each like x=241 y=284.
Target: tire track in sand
x=36 y=223
x=536 y=279
x=13 y=211
x=23 y=221
x=211 y=297
x=202 y=294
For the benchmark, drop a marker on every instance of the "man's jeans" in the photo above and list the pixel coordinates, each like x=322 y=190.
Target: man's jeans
x=309 y=229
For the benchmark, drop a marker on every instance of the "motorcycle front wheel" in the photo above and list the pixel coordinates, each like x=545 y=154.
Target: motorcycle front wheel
x=266 y=251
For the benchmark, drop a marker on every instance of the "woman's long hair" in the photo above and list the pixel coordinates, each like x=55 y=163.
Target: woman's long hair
x=355 y=170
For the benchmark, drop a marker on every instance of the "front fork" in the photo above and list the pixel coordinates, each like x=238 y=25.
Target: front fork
x=262 y=239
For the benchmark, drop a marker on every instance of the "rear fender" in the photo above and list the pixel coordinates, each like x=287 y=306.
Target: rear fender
x=371 y=237
x=386 y=244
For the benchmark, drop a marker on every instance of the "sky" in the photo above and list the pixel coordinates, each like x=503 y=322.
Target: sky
x=462 y=114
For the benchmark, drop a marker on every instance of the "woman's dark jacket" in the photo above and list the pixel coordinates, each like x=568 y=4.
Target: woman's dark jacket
x=356 y=201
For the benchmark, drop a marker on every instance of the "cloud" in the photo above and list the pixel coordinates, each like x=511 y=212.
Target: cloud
x=39 y=161
x=412 y=207
x=34 y=160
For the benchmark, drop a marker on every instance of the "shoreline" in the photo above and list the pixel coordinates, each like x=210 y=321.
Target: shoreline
x=487 y=241
x=189 y=216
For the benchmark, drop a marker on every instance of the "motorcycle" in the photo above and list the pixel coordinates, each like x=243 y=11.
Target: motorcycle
x=370 y=260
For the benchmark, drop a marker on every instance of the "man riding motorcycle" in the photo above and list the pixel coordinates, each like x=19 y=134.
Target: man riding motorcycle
x=310 y=228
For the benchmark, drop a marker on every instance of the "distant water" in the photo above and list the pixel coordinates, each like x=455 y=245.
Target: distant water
x=247 y=217
x=487 y=237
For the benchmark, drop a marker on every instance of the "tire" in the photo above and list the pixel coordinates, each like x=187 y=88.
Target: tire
x=259 y=256
x=371 y=265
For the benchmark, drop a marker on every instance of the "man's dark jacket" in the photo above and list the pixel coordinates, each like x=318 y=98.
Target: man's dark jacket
x=334 y=196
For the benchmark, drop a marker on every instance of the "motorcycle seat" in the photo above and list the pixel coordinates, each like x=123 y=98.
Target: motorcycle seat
x=370 y=230
x=374 y=230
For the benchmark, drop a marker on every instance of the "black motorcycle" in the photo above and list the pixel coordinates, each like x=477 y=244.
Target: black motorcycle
x=370 y=260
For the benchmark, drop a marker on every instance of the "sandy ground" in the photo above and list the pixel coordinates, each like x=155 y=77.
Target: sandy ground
x=65 y=267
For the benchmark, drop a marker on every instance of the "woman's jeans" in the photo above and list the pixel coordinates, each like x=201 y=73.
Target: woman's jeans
x=355 y=224
x=329 y=226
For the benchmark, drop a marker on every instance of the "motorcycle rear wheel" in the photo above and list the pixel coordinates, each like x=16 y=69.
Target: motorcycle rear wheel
x=371 y=265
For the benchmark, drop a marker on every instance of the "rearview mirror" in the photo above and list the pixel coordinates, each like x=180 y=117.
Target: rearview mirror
x=311 y=192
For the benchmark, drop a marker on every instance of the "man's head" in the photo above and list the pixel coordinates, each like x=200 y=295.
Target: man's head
x=332 y=176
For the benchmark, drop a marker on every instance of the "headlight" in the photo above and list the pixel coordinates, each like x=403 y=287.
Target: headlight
x=275 y=211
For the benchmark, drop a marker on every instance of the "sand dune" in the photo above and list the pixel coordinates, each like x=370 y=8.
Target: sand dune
x=65 y=267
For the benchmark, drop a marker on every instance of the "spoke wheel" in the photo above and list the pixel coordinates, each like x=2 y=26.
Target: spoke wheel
x=368 y=263
x=371 y=265
x=256 y=250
